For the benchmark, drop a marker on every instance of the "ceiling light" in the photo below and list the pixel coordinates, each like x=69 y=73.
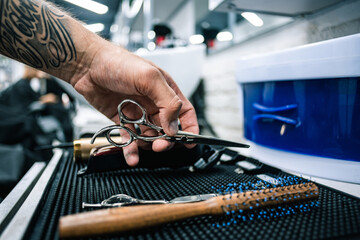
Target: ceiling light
x=90 y=5
x=196 y=39
x=96 y=27
x=253 y=19
x=151 y=35
x=151 y=46
x=224 y=36
x=141 y=51
x=114 y=28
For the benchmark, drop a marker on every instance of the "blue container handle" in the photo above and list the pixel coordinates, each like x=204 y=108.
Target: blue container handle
x=276 y=117
x=263 y=108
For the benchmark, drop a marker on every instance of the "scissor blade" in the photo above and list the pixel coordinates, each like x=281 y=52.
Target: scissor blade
x=219 y=142
x=186 y=137
x=193 y=198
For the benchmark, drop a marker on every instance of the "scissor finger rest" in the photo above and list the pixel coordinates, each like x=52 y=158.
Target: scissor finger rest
x=143 y=120
x=107 y=132
x=124 y=141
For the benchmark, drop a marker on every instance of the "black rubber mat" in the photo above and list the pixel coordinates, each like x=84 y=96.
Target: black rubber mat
x=336 y=216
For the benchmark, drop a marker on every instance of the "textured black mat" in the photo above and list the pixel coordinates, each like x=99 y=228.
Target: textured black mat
x=336 y=217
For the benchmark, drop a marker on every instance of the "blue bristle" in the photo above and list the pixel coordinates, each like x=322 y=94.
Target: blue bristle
x=234 y=212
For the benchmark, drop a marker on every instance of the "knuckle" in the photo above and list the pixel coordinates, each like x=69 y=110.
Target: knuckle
x=150 y=73
x=175 y=104
x=148 y=77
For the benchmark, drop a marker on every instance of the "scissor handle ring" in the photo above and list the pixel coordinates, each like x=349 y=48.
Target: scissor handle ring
x=131 y=139
x=125 y=119
x=141 y=121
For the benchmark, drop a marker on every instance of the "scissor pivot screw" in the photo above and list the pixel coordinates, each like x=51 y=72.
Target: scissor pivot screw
x=183 y=139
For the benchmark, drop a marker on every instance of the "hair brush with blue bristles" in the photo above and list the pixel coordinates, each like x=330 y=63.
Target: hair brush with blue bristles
x=117 y=220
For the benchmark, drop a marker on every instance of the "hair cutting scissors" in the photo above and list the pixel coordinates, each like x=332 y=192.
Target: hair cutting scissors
x=180 y=137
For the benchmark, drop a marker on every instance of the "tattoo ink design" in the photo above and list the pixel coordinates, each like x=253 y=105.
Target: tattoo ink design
x=35 y=34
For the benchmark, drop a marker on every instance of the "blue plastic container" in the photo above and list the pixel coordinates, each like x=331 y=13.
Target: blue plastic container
x=304 y=103
x=319 y=117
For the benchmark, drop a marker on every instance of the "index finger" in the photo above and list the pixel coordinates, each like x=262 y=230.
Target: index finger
x=187 y=114
x=155 y=86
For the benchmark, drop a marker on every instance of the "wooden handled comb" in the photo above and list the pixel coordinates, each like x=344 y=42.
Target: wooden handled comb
x=116 y=220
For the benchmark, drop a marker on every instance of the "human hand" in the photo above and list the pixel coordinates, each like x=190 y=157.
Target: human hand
x=116 y=74
x=104 y=73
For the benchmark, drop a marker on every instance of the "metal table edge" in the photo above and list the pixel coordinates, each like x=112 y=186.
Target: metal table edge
x=11 y=204
x=18 y=225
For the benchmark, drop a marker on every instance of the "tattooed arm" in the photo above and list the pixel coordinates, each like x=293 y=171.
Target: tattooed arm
x=39 y=35
x=42 y=37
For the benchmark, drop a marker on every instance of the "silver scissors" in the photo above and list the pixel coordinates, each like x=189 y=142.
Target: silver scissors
x=121 y=200
x=180 y=137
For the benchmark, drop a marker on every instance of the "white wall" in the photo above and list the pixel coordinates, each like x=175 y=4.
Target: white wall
x=223 y=98
x=183 y=23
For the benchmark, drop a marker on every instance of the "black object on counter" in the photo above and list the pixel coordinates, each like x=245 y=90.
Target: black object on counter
x=201 y=158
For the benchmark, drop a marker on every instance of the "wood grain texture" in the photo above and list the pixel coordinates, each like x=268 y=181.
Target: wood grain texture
x=116 y=220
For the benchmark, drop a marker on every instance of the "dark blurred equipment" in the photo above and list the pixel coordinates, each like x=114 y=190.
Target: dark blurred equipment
x=161 y=32
x=210 y=36
x=21 y=100
x=31 y=118
x=164 y=37
x=199 y=159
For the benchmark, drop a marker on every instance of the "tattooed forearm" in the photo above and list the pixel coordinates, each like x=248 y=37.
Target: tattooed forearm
x=35 y=34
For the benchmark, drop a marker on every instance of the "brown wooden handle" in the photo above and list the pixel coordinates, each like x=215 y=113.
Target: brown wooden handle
x=136 y=217
x=123 y=219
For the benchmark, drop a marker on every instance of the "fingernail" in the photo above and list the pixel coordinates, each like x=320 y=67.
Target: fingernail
x=174 y=127
x=131 y=159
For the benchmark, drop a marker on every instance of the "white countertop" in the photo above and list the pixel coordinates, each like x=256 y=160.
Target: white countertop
x=349 y=188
